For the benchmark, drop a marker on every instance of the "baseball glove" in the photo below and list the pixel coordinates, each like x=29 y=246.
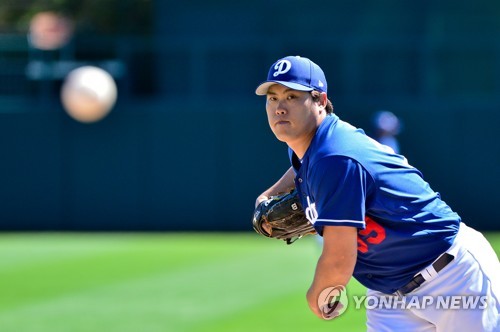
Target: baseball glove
x=282 y=217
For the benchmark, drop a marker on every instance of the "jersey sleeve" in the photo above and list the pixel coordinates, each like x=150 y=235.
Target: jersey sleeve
x=339 y=187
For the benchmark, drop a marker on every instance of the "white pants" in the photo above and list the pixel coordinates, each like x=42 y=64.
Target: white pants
x=475 y=272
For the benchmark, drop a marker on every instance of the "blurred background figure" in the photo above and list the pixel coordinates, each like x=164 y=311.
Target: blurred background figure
x=387 y=127
x=50 y=50
x=50 y=31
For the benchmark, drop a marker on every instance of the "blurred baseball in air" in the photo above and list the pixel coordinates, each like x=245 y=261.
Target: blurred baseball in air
x=88 y=94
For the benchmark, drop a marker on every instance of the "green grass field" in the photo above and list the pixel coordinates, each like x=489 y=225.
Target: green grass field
x=161 y=282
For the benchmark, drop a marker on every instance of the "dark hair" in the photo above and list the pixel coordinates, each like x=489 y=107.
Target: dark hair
x=329 y=106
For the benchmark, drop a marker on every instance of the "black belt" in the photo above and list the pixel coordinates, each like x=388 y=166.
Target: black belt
x=418 y=280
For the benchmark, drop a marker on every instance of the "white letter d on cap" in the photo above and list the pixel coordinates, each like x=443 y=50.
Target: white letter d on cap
x=282 y=66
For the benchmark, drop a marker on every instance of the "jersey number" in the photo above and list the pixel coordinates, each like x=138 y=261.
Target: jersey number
x=372 y=234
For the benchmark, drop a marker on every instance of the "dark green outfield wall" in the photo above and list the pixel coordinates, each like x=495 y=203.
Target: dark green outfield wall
x=188 y=148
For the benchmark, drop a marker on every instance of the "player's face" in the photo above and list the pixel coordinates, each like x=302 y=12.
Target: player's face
x=293 y=115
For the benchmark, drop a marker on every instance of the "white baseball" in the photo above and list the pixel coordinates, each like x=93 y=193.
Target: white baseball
x=88 y=94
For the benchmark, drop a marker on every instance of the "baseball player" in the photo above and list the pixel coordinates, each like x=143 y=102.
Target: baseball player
x=380 y=221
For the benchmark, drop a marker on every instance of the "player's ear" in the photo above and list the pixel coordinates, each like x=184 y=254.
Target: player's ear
x=323 y=99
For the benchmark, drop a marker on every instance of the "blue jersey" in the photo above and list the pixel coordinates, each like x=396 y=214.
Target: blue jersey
x=346 y=178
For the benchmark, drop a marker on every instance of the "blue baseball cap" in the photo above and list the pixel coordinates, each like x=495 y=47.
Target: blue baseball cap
x=295 y=72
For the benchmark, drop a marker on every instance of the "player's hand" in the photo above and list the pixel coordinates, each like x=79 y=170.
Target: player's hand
x=328 y=304
x=260 y=199
x=312 y=301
